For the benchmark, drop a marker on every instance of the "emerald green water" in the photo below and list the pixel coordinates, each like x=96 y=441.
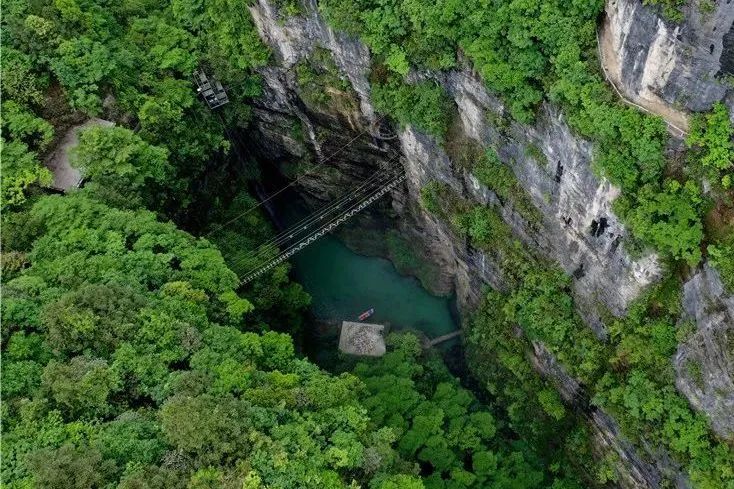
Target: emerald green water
x=344 y=284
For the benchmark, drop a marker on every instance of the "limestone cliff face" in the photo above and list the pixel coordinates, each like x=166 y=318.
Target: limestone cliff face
x=577 y=229
x=669 y=68
x=705 y=362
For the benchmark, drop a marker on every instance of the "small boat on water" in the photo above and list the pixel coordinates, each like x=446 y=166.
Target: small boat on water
x=366 y=314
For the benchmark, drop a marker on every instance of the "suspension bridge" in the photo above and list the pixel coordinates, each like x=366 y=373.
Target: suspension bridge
x=297 y=237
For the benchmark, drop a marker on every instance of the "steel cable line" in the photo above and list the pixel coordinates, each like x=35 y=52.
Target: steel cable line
x=296 y=230
x=256 y=272
x=319 y=214
x=294 y=235
x=293 y=249
x=307 y=173
x=302 y=231
x=324 y=209
x=379 y=180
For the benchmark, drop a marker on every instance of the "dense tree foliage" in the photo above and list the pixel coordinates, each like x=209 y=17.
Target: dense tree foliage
x=123 y=168
x=630 y=374
x=439 y=424
x=668 y=216
x=130 y=361
x=712 y=138
x=127 y=360
x=24 y=136
x=530 y=404
x=128 y=61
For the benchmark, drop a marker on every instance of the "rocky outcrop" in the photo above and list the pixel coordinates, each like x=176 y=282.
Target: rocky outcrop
x=65 y=176
x=705 y=362
x=293 y=39
x=578 y=229
x=670 y=68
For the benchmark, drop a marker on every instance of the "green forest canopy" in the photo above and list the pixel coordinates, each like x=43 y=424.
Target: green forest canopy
x=130 y=361
x=133 y=359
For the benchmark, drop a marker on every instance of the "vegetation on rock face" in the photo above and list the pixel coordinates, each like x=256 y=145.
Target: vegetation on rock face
x=490 y=171
x=712 y=158
x=630 y=375
x=721 y=255
x=496 y=353
x=711 y=137
x=528 y=52
x=408 y=259
x=424 y=104
x=321 y=85
x=672 y=9
x=639 y=388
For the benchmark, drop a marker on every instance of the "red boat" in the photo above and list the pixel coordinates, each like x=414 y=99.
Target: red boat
x=366 y=314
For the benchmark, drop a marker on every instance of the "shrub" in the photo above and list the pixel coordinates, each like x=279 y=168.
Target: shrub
x=424 y=105
x=721 y=256
x=490 y=171
x=667 y=217
x=711 y=138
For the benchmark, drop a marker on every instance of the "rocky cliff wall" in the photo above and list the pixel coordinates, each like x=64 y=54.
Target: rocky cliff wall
x=671 y=68
x=705 y=362
x=674 y=69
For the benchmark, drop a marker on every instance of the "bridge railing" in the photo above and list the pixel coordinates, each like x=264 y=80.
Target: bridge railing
x=322 y=230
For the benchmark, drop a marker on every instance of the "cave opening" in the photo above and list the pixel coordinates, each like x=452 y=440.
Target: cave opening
x=598 y=227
